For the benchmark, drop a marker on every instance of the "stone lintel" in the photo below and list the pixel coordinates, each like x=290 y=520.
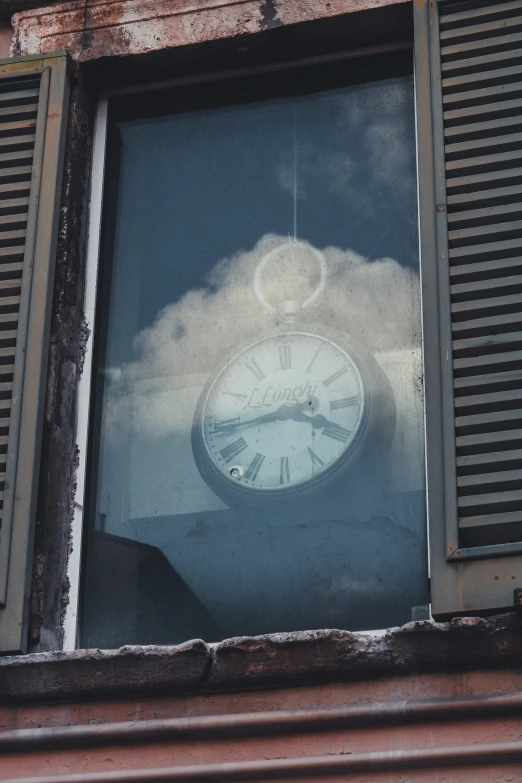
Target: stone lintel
x=117 y=28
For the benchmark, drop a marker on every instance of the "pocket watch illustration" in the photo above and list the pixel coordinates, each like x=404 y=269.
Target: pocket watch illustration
x=293 y=411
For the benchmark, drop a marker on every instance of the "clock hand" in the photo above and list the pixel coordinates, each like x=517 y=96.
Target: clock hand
x=281 y=414
x=316 y=421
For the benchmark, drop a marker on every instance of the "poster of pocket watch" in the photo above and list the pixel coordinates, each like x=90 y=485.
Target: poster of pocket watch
x=295 y=409
x=294 y=374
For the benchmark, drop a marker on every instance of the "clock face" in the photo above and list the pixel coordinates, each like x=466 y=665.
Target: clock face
x=283 y=412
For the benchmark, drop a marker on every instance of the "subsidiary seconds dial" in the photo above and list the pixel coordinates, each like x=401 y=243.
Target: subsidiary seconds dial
x=283 y=413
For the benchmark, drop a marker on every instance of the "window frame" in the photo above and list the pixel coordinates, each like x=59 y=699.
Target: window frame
x=71 y=626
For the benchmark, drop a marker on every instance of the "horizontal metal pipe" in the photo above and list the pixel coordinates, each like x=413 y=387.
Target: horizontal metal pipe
x=470 y=755
x=274 y=722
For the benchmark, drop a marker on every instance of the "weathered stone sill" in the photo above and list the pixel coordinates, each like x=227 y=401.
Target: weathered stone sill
x=262 y=661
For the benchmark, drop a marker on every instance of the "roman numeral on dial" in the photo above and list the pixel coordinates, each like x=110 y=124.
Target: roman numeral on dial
x=255 y=369
x=220 y=425
x=336 y=432
x=335 y=376
x=254 y=467
x=284 y=471
x=285 y=357
x=317 y=461
x=314 y=357
x=233 y=449
x=346 y=402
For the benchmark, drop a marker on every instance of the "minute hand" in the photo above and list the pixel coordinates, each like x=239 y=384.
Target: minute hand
x=282 y=413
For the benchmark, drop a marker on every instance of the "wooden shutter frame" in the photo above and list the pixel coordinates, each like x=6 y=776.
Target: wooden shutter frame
x=32 y=347
x=463 y=580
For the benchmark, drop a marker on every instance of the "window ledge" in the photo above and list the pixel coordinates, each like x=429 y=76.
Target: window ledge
x=262 y=661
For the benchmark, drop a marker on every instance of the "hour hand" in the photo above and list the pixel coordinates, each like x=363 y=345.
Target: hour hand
x=316 y=421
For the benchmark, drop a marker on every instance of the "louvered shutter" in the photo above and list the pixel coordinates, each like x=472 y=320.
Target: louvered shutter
x=33 y=96
x=469 y=99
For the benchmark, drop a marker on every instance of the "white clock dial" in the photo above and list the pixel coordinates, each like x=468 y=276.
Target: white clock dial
x=283 y=412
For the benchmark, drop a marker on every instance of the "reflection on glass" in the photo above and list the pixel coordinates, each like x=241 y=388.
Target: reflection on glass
x=257 y=460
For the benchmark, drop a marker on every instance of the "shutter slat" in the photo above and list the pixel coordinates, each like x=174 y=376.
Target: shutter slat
x=487 y=325
x=484 y=304
x=8 y=220
x=484 y=270
x=9 y=204
x=484 y=161
x=8 y=236
x=498 y=460
x=489 y=400
x=482 y=145
x=9 y=303
x=475 y=30
x=486 y=249
x=21 y=156
x=513 y=106
x=27 y=140
x=9 y=286
x=8 y=337
x=504 y=195
x=481 y=479
x=15 y=173
x=490 y=422
x=476 y=12
x=17 y=113
x=459 y=234
x=8 y=319
x=491 y=519
x=490 y=439
x=487 y=499
x=487 y=342
x=19 y=96
x=20 y=127
x=479 y=286
x=472 y=64
x=13 y=189
x=500 y=42
x=479 y=216
x=472 y=362
x=13 y=252
x=12 y=269
x=484 y=180
x=477 y=96
x=482 y=128
x=451 y=83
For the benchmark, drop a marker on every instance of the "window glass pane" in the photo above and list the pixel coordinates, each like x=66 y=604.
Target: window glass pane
x=257 y=462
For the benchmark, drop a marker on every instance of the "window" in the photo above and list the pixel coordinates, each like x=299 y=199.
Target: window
x=263 y=395
x=257 y=459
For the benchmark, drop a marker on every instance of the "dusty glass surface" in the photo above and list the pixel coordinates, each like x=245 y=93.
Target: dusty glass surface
x=257 y=459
